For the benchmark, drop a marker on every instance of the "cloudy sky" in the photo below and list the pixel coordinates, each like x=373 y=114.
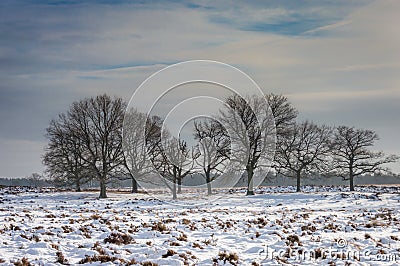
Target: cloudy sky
x=337 y=61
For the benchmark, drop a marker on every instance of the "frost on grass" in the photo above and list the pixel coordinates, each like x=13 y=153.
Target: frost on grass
x=40 y=227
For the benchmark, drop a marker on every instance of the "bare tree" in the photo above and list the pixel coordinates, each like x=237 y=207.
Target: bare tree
x=285 y=117
x=63 y=162
x=352 y=156
x=303 y=149
x=284 y=113
x=98 y=122
x=213 y=149
x=250 y=123
x=137 y=131
x=173 y=160
x=35 y=180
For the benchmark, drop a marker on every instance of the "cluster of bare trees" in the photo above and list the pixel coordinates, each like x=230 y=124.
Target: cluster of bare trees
x=86 y=142
x=340 y=151
x=98 y=140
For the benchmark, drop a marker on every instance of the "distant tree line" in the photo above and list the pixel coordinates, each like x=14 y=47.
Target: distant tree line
x=33 y=180
x=87 y=143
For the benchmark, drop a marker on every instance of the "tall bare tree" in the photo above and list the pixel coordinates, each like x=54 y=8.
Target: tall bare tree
x=63 y=162
x=250 y=123
x=352 y=154
x=98 y=122
x=285 y=117
x=303 y=149
x=213 y=149
x=138 y=130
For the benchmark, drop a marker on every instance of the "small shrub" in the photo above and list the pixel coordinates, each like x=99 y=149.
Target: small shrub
x=261 y=221
x=197 y=245
x=169 y=220
x=14 y=227
x=159 y=226
x=23 y=262
x=61 y=259
x=149 y=263
x=308 y=227
x=131 y=262
x=182 y=237
x=67 y=229
x=331 y=227
x=95 y=216
x=94 y=258
x=374 y=223
x=185 y=221
x=293 y=239
x=225 y=256
x=169 y=253
x=118 y=238
x=99 y=248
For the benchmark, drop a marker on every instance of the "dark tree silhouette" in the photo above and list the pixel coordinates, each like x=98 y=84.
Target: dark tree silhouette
x=63 y=162
x=173 y=160
x=250 y=122
x=181 y=160
x=303 y=149
x=352 y=154
x=97 y=123
x=138 y=130
x=284 y=113
x=213 y=149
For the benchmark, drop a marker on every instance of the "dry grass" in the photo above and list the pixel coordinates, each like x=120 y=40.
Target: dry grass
x=95 y=258
x=61 y=259
x=159 y=226
x=119 y=239
x=293 y=239
x=22 y=262
x=225 y=257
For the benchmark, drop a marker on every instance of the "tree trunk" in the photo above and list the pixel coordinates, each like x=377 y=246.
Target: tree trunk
x=298 y=176
x=103 y=193
x=77 y=186
x=250 y=185
x=174 y=196
x=179 y=185
x=208 y=181
x=351 y=183
x=134 y=185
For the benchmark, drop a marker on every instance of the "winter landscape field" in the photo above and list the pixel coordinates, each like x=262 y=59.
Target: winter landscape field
x=320 y=226
x=201 y=133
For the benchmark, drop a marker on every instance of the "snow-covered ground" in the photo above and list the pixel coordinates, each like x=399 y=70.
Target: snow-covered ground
x=322 y=226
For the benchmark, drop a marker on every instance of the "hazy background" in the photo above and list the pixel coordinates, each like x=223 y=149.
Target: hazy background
x=337 y=61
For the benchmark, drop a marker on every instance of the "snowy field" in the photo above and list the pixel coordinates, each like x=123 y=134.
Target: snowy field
x=321 y=226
